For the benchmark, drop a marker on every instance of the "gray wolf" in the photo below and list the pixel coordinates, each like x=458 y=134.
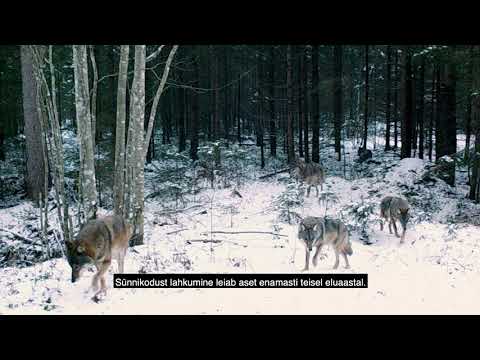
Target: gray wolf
x=311 y=173
x=364 y=154
x=320 y=231
x=394 y=208
x=98 y=242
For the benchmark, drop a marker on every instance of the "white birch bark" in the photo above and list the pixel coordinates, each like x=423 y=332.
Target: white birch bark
x=84 y=125
x=119 y=179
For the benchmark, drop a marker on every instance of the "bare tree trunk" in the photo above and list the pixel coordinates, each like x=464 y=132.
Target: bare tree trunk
x=407 y=113
x=315 y=107
x=338 y=98
x=36 y=167
x=475 y=179
x=84 y=126
x=365 y=115
x=119 y=179
x=388 y=85
x=290 y=147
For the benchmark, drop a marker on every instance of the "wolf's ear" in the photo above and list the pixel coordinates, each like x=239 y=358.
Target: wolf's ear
x=80 y=249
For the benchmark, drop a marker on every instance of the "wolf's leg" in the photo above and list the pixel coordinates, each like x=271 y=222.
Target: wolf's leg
x=101 y=273
x=381 y=223
x=316 y=188
x=315 y=257
x=347 y=266
x=121 y=261
x=395 y=228
x=390 y=226
x=308 y=190
x=307 y=259
x=337 y=260
x=95 y=279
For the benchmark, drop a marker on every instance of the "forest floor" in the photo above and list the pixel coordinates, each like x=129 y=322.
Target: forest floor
x=435 y=271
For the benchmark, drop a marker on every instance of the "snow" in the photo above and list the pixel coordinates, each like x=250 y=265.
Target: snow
x=435 y=271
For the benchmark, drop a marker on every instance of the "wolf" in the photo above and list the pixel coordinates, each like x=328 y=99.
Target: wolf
x=99 y=241
x=394 y=208
x=311 y=173
x=319 y=231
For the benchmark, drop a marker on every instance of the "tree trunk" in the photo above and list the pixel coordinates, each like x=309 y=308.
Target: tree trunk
x=365 y=113
x=84 y=126
x=445 y=135
x=421 y=106
x=195 y=112
x=36 y=167
x=315 y=107
x=468 y=111
x=388 y=90
x=395 y=103
x=475 y=179
x=301 y=99
x=119 y=178
x=290 y=147
x=407 y=112
x=306 y=99
x=273 y=127
x=338 y=98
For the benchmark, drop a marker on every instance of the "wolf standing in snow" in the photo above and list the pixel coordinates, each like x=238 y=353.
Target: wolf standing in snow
x=99 y=241
x=319 y=231
x=394 y=208
x=311 y=173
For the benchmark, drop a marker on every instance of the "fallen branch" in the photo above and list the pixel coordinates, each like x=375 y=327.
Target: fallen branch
x=23 y=238
x=245 y=232
x=166 y=212
x=275 y=173
x=206 y=241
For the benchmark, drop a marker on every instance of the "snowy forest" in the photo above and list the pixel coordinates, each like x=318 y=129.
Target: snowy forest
x=213 y=156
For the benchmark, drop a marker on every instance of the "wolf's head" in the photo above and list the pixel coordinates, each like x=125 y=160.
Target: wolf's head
x=309 y=234
x=404 y=216
x=77 y=258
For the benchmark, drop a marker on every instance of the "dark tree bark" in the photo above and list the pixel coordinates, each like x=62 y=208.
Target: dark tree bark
x=407 y=113
x=273 y=127
x=395 y=103
x=445 y=135
x=301 y=99
x=432 y=114
x=365 y=113
x=468 y=111
x=306 y=112
x=290 y=147
x=180 y=112
x=475 y=178
x=338 y=98
x=36 y=167
x=388 y=90
x=421 y=106
x=195 y=112
x=315 y=106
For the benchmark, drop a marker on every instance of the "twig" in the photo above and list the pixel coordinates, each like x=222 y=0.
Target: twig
x=214 y=241
x=246 y=232
x=176 y=231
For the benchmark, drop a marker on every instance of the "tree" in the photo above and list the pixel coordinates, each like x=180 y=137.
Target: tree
x=84 y=126
x=407 y=113
x=421 y=106
x=388 y=90
x=475 y=98
x=315 y=106
x=338 y=98
x=290 y=147
x=445 y=135
x=273 y=127
x=365 y=113
x=119 y=179
x=36 y=166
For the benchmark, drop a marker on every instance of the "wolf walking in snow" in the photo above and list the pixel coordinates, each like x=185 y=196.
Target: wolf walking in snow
x=394 y=208
x=319 y=231
x=311 y=173
x=99 y=241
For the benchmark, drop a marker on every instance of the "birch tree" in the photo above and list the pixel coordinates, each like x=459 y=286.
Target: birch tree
x=88 y=192
x=119 y=179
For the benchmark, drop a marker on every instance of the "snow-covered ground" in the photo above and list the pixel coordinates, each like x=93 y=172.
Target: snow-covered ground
x=436 y=271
